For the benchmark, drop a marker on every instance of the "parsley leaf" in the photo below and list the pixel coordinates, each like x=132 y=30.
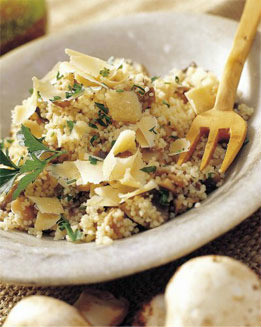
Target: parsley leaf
x=166 y=103
x=32 y=167
x=153 y=130
x=141 y=90
x=71 y=181
x=94 y=138
x=149 y=169
x=55 y=98
x=70 y=124
x=176 y=79
x=31 y=90
x=58 y=76
x=93 y=125
x=64 y=224
x=164 y=197
x=102 y=107
x=104 y=120
x=76 y=90
x=154 y=78
x=120 y=90
x=105 y=72
x=93 y=160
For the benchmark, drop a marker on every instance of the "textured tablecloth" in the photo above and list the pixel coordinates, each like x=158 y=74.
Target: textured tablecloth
x=243 y=242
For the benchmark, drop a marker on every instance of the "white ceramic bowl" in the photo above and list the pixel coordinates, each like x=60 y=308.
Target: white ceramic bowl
x=160 y=41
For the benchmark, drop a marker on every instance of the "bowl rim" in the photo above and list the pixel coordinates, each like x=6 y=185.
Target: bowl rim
x=13 y=255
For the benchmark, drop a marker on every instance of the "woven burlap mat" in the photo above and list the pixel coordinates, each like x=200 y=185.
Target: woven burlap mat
x=242 y=243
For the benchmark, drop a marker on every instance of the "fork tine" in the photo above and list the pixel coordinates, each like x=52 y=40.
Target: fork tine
x=235 y=143
x=193 y=137
x=210 y=147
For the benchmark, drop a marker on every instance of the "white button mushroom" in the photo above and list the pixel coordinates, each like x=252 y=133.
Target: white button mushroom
x=44 y=311
x=213 y=291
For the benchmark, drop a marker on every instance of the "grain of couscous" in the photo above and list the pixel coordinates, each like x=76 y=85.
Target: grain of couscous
x=92 y=153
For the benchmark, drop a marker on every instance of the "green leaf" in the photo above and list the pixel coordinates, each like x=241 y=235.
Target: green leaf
x=164 y=197
x=71 y=181
x=93 y=160
x=6 y=161
x=64 y=224
x=120 y=90
x=25 y=181
x=176 y=79
x=70 y=125
x=31 y=142
x=102 y=107
x=93 y=125
x=94 y=138
x=58 y=76
x=166 y=103
x=76 y=90
x=149 y=169
x=7 y=183
x=154 y=78
x=55 y=98
x=141 y=89
x=30 y=165
x=153 y=130
x=31 y=90
x=105 y=72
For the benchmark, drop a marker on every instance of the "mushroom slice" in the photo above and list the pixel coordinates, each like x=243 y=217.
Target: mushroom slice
x=101 y=308
x=213 y=291
x=152 y=313
x=44 y=311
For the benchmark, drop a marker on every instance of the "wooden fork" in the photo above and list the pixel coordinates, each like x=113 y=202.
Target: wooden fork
x=222 y=122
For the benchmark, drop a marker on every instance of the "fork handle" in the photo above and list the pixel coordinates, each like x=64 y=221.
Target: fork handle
x=241 y=46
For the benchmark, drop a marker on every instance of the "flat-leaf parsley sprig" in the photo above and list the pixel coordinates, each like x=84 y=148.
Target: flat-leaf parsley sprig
x=64 y=224
x=32 y=167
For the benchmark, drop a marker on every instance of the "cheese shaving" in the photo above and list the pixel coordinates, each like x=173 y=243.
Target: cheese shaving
x=148 y=187
x=107 y=196
x=64 y=172
x=25 y=111
x=124 y=106
x=146 y=131
x=47 y=205
x=47 y=90
x=87 y=64
x=201 y=98
x=79 y=129
x=179 y=146
x=35 y=128
x=45 y=221
x=90 y=173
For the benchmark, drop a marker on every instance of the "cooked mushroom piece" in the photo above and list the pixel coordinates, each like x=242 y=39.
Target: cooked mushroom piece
x=44 y=311
x=213 y=291
x=152 y=313
x=101 y=308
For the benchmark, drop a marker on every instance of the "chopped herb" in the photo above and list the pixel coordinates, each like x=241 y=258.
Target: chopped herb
x=10 y=141
x=173 y=137
x=112 y=143
x=103 y=111
x=141 y=89
x=76 y=90
x=55 y=98
x=93 y=125
x=64 y=224
x=102 y=107
x=32 y=167
x=93 y=160
x=1 y=145
x=69 y=197
x=154 y=78
x=59 y=76
x=39 y=94
x=246 y=141
x=105 y=72
x=153 y=130
x=70 y=125
x=166 y=103
x=82 y=207
x=31 y=90
x=94 y=138
x=120 y=90
x=164 y=197
x=167 y=83
x=176 y=79
x=149 y=169
x=120 y=67
x=71 y=181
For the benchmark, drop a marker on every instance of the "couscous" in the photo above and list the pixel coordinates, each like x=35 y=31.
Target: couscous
x=92 y=153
